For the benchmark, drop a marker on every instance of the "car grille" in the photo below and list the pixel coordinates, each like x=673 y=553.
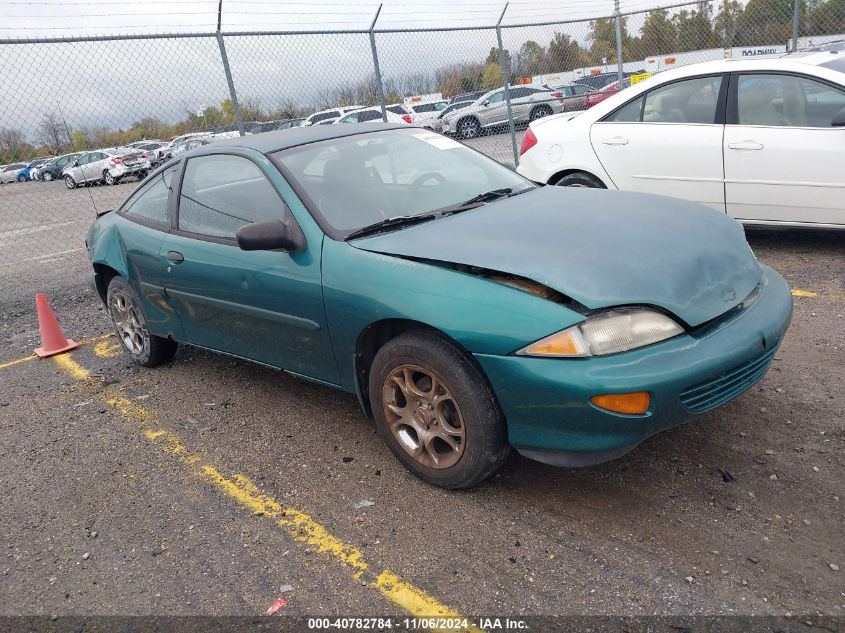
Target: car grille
x=708 y=395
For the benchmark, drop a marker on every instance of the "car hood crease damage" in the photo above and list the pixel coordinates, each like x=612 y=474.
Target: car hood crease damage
x=596 y=247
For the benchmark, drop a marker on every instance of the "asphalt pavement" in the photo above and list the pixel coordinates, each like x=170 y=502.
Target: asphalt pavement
x=213 y=486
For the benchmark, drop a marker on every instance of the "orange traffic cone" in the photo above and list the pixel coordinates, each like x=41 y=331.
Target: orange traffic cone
x=53 y=341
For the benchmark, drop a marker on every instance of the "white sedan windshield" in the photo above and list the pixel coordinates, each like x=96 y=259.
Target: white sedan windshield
x=359 y=180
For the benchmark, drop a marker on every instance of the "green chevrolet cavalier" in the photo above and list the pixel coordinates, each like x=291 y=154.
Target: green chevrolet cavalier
x=469 y=310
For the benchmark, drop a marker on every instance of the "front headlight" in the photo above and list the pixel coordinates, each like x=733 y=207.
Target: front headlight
x=610 y=332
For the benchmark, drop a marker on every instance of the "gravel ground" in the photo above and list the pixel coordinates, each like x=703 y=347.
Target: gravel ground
x=659 y=531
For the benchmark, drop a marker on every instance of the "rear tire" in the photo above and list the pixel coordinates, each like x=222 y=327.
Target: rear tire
x=579 y=179
x=141 y=175
x=70 y=183
x=130 y=324
x=109 y=179
x=435 y=410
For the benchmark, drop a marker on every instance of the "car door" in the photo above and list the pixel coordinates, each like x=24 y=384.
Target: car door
x=668 y=141
x=263 y=305
x=493 y=109
x=93 y=169
x=142 y=239
x=783 y=160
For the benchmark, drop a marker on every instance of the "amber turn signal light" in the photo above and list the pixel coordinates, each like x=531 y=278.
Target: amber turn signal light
x=628 y=403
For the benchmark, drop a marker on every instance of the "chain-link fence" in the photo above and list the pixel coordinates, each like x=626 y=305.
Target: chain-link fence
x=82 y=119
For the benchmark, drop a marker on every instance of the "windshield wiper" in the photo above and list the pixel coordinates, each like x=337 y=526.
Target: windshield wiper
x=483 y=198
x=390 y=223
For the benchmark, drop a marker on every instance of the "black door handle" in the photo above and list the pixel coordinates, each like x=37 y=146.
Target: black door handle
x=175 y=257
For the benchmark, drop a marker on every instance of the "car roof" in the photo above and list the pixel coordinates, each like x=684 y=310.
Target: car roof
x=267 y=142
x=769 y=62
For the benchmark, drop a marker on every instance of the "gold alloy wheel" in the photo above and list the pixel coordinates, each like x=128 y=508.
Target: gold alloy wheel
x=423 y=416
x=130 y=328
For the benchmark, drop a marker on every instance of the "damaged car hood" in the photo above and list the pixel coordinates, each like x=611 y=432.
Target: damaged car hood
x=600 y=248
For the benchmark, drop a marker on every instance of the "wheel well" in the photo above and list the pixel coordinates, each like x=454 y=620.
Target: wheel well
x=566 y=172
x=465 y=117
x=102 y=276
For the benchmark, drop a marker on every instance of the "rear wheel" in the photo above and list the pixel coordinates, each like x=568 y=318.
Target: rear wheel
x=21 y=178
x=539 y=112
x=109 y=179
x=70 y=183
x=580 y=179
x=130 y=324
x=436 y=412
x=141 y=175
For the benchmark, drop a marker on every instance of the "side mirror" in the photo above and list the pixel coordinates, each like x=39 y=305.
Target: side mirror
x=838 y=119
x=486 y=103
x=272 y=235
x=75 y=163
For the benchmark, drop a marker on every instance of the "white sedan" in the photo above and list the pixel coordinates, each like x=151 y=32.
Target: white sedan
x=762 y=140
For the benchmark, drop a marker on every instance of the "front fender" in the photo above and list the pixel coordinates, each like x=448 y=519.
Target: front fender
x=485 y=317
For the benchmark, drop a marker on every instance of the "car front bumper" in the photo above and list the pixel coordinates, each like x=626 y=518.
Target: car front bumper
x=546 y=401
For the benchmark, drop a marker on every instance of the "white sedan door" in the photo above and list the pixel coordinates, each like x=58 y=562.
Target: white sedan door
x=666 y=141
x=783 y=160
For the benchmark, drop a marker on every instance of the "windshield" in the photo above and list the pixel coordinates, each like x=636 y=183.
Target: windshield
x=359 y=180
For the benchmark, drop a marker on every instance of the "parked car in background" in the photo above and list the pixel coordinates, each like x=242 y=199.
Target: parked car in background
x=151 y=152
x=30 y=171
x=279 y=124
x=373 y=113
x=224 y=131
x=144 y=142
x=109 y=165
x=597 y=96
x=466 y=96
x=192 y=142
x=573 y=96
x=52 y=169
x=528 y=103
x=11 y=172
x=326 y=117
x=762 y=140
x=468 y=310
x=166 y=151
x=437 y=123
x=425 y=113
x=599 y=81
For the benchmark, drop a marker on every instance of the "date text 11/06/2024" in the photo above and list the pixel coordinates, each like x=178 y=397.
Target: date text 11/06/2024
x=417 y=624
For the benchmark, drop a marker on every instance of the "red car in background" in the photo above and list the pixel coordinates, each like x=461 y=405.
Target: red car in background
x=604 y=93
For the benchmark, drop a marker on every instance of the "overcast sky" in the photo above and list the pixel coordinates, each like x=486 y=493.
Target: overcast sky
x=24 y=18
x=113 y=83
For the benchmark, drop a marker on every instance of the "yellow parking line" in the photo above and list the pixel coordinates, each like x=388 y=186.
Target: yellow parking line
x=298 y=525
x=85 y=341
x=829 y=296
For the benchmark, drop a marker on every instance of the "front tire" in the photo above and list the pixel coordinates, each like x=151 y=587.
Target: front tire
x=468 y=128
x=47 y=177
x=130 y=324
x=436 y=411
x=70 y=183
x=579 y=179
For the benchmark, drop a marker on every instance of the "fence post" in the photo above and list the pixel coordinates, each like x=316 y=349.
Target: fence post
x=796 y=13
x=506 y=73
x=379 y=84
x=619 y=62
x=232 y=94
